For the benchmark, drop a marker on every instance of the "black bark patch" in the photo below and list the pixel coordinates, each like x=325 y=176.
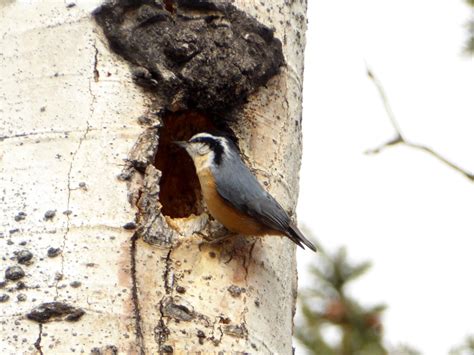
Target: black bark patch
x=48 y=215
x=178 y=311
x=129 y=226
x=54 y=252
x=204 y=54
x=235 y=291
x=24 y=256
x=107 y=350
x=167 y=349
x=201 y=336
x=75 y=284
x=238 y=331
x=14 y=273
x=4 y=297
x=55 y=311
x=20 y=216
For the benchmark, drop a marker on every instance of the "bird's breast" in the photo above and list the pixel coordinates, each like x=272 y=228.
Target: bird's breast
x=224 y=212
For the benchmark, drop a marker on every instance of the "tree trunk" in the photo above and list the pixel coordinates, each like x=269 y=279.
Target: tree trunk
x=93 y=261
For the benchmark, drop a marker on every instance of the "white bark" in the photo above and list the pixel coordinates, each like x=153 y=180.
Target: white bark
x=68 y=118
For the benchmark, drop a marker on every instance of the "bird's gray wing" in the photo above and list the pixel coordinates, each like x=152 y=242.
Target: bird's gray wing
x=240 y=188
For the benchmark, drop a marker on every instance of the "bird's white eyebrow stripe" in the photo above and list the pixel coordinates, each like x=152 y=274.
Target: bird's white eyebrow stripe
x=221 y=140
x=204 y=135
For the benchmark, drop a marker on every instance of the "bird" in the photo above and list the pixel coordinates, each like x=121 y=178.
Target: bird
x=233 y=195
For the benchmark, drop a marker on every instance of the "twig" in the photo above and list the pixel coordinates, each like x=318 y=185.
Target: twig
x=400 y=138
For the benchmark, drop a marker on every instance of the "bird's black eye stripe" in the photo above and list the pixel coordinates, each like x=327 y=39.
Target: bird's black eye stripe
x=214 y=144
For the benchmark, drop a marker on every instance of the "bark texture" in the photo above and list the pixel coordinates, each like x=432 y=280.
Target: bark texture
x=89 y=264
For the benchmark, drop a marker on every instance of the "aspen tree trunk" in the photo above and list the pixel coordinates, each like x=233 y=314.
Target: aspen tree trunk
x=88 y=263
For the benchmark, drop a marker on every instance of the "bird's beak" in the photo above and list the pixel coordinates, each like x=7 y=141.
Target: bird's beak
x=182 y=144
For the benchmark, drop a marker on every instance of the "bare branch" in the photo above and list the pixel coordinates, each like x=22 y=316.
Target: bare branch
x=400 y=138
x=386 y=104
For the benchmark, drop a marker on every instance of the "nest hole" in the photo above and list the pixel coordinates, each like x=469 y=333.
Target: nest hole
x=180 y=192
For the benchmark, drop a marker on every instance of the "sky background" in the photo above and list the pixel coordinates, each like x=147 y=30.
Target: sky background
x=409 y=214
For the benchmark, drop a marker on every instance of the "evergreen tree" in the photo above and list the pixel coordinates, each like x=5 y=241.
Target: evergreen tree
x=327 y=303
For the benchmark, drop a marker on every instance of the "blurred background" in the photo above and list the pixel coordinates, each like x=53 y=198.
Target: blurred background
x=408 y=214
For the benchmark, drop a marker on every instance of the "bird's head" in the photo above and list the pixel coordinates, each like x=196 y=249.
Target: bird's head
x=207 y=149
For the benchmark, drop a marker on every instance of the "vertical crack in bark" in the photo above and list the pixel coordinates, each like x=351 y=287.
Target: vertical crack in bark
x=246 y=260
x=95 y=75
x=68 y=203
x=96 y=62
x=161 y=330
x=37 y=343
x=168 y=275
x=246 y=267
x=135 y=300
x=246 y=264
x=264 y=344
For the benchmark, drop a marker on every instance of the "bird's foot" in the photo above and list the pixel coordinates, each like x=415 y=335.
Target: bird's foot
x=219 y=240
x=207 y=240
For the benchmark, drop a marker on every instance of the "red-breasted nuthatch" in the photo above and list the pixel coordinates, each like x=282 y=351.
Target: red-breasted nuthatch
x=233 y=194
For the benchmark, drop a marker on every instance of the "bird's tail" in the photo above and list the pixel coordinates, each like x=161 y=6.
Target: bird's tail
x=296 y=236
